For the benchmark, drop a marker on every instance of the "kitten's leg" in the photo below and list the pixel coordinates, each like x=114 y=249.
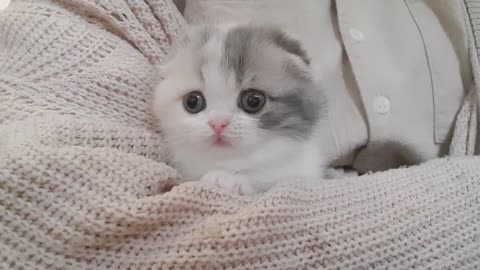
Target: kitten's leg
x=228 y=181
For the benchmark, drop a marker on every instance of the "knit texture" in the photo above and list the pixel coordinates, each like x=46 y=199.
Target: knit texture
x=466 y=139
x=84 y=182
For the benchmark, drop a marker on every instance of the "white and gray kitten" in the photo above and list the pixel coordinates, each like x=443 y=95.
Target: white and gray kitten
x=239 y=108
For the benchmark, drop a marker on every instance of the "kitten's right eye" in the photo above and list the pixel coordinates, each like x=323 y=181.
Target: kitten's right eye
x=194 y=102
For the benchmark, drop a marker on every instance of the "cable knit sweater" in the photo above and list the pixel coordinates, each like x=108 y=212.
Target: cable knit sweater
x=84 y=182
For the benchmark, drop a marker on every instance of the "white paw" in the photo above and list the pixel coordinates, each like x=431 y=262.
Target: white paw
x=228 y=181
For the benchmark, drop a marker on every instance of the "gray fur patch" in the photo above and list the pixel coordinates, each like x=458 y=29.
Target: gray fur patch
x=241 y=40
x=293 y=115
x=205 y=35
x=290 y=45
x=237 y=45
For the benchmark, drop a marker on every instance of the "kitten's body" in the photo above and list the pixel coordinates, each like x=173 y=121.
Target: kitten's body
x=253 y=151
x=276 y=161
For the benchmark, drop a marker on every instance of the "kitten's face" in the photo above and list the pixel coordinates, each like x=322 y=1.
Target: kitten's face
x=231 y=90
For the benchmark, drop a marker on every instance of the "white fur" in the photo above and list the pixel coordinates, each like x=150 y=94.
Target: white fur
x=256 y=160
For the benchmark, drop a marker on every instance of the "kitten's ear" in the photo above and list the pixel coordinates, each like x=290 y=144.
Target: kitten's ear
x=290 y=44
x=162 y=68
x=194 y=36
x=299 y=62
x=298 y=68
x=198 y=35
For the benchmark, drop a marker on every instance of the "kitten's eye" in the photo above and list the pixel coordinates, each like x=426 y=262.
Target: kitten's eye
x=194 y=102
x=252 y=100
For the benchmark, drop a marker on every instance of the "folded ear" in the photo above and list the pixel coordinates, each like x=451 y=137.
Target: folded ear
x=298 y=63
x=291 y=45
x=177 y=45
x=198 y=35
x=298 y=68
x=285 y=41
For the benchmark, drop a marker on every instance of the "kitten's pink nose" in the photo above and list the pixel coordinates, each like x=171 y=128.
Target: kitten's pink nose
x=218 y=125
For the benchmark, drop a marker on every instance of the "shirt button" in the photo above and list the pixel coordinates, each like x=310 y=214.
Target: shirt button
x=381 y=105
x=357 y=35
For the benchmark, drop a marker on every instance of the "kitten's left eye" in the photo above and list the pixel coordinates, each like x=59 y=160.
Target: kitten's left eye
x=252 y=100
x=194 y=102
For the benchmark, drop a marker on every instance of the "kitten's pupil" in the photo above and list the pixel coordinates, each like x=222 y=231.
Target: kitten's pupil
x=194 y=102
x=252 y=100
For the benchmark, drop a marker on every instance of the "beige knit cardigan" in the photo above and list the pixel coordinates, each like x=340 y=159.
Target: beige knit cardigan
x=84 y=183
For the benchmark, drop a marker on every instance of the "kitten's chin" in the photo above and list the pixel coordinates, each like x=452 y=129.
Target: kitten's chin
x=221 y=143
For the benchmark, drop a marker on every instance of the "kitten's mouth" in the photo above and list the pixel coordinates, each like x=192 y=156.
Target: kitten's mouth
x=221 y=142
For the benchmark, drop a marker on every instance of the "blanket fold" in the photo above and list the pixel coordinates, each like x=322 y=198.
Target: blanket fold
x=85 y=184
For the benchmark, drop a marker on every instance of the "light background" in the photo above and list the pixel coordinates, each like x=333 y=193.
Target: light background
x=4 y=4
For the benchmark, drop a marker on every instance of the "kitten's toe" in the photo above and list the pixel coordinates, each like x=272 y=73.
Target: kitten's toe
x=228 y=181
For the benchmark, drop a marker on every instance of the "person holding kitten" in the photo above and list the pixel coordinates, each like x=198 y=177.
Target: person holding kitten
x=369 y=85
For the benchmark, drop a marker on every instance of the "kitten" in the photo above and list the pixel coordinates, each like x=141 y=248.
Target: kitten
x=239 y=108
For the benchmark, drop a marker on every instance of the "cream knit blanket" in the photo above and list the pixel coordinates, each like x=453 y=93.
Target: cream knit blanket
x=83 y=183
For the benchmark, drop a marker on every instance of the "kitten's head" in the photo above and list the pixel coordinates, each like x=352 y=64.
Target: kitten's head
x=231 y=89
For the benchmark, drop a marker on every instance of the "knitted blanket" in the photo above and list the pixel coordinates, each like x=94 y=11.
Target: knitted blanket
x=84 y=182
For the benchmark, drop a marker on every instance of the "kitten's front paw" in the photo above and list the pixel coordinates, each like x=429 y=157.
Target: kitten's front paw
x=228 y=181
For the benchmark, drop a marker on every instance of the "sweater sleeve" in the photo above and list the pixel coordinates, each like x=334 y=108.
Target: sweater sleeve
x=81 y=207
